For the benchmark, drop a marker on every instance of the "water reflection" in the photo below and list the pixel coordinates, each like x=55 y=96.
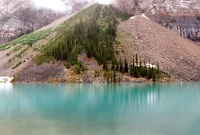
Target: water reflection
x=6 y=87
x=136 y=95
x=102 y=108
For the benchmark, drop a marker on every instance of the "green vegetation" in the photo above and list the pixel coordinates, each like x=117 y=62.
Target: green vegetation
x=137 y=69
x=94 y=34
x=80 y=67
x=111 y=76
x=144 y=69
x=28 y=39
x=17 y=48
x=21 y=52
x=35 y=49
x=97 y=73
x=5 y=47
x=93 y=31
x=18 y=64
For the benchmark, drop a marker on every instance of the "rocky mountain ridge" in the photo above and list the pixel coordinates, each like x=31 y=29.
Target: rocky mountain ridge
x=180 y=16
x=18 y=17
x=179 y=57
x=164 y=7
x=187 y=27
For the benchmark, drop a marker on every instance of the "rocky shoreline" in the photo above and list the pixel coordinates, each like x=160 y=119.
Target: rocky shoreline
x=58 y=73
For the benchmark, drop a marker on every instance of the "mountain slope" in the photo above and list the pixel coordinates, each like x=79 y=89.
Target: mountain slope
x=81 y=50
x=23 y=49
x=61 y=20
x=180 y=16
x=177 y=56
x=90 y=32
x=18 y=17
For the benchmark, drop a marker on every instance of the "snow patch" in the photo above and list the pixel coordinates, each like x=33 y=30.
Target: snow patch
x=5 y=79
x=150 y=65
x=133 y=17
x=143 y=15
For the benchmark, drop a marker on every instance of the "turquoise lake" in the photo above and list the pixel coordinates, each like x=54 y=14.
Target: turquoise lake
x=100 y=109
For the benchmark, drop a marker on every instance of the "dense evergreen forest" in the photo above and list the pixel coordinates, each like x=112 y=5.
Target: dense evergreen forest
x=95 y=35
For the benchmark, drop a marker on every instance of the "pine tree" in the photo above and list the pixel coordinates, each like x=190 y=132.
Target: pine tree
x=158 y=71
x=113 y=65
x=117 y=67
x=121 y=67
x=114 y=76
x=105 y=65
x=140 y=68
x=133 y=67
x=153 y=74
x=125 y=66
x=136 y=59
x=145 y=71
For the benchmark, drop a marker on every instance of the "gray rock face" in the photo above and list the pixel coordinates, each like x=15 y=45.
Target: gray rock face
x=170 y=7
x=187 y=27
x=176 y=7
x=180 y=16
x=18 y=17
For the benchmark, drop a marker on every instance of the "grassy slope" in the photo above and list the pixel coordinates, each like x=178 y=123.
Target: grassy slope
x=17 y=54
x=28 y=39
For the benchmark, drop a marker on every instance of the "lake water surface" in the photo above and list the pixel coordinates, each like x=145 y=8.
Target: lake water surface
x=100 y=109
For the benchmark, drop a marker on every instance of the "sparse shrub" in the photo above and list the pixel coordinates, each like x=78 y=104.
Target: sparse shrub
x=35 y=49
x=17 y=48
x=79 y=68
x=67 y=65
x=18 y=64
x=97 y=73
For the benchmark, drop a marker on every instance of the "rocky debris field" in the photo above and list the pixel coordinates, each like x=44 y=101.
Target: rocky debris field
x=56 y=72
x=42 y=73
x=179 y=57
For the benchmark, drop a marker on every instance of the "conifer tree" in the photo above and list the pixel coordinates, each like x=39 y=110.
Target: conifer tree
x=117 y=67
x=121 y=67
x=158 y=71
x=105 y=65
x=114 y=76
x=140 y=68
x=153 y=74
x=136 y=60
x=125 y=66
